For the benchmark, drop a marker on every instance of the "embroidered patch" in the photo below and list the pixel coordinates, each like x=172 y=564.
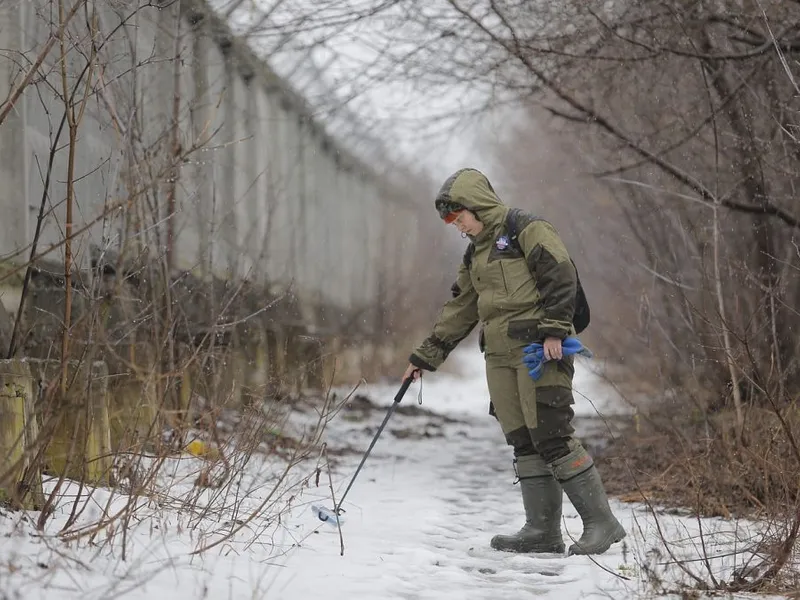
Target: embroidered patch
x=502 y=242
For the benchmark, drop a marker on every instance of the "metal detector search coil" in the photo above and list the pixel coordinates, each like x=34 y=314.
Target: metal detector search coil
x=332 y=516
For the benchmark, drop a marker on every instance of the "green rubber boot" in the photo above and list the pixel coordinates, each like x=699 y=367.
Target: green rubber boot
x=580 y=480
x=541 y=497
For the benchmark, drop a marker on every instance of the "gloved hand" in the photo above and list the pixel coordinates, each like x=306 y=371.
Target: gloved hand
x=533 y=355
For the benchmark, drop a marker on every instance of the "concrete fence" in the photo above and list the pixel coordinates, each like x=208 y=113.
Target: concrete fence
x=227 y=249
x=192 y=152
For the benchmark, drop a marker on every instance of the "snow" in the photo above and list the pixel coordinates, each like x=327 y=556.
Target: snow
x=417 y=525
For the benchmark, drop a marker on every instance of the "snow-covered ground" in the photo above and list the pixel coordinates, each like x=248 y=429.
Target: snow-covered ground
x=417 y=524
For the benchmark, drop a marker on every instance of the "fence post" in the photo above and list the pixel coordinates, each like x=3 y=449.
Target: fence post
x=77 y=424
x=20 y=478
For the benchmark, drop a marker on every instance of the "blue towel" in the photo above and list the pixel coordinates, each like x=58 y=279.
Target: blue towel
x=534 y=355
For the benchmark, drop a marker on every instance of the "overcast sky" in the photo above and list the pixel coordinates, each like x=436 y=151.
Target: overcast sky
x=338 y=79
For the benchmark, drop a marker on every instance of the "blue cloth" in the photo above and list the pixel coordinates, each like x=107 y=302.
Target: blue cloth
x=533 y=356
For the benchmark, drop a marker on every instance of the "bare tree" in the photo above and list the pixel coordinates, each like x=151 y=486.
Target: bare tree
x=687 y=112
x=685 y=116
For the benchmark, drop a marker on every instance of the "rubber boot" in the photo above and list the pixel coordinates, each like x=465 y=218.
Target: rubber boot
x=541 y=498
x=580 y=480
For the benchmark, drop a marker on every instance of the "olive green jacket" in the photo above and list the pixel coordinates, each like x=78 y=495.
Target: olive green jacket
x=517 y=298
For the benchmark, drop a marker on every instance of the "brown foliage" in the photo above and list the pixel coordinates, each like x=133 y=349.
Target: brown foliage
x=699 y=464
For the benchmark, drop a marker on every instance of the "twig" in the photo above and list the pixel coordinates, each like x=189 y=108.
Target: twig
x=48 y=46
x=36 y=234
x=333 y=497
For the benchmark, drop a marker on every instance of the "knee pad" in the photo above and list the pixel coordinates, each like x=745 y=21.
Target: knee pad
x=520 y=440
x=554 y=448
x=525 y=451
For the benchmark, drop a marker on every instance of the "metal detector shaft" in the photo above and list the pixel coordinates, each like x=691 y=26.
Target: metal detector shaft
x=398 y=397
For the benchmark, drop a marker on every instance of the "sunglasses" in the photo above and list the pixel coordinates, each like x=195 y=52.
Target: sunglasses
x=445 y=208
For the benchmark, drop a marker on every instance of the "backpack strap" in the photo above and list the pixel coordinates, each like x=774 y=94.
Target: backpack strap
x=468 y=255
x=516 y=221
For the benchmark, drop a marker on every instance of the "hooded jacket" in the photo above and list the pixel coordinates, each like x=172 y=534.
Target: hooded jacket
x=516 y=297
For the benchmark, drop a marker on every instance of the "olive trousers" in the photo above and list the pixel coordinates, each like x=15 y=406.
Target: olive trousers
x=535 y=416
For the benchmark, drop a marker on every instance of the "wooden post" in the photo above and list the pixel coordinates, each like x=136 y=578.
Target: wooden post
x=134 y=403
x=292 y=348
x=20 y=478
x=175 y=412
x=253 y=354
x=314 y=363
x=99 y=457
x=278 y=364
x=368 y=359
x=233 y=392
x=79 y=444
x=185 y=383
x=332 y=363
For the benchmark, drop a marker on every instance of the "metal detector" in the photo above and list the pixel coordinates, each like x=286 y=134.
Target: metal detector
x=325 y=514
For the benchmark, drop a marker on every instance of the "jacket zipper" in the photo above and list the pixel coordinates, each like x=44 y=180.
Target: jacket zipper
x=503 y=275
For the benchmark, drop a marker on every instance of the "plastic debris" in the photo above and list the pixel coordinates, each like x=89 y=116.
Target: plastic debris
x=326 y=515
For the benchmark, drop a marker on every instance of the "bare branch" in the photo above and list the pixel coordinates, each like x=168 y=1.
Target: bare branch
x=8 y=105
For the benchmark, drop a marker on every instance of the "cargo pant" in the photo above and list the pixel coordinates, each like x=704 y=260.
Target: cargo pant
x=535 y=416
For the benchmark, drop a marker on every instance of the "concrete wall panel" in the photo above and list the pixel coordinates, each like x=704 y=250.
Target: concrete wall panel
x=262 y=192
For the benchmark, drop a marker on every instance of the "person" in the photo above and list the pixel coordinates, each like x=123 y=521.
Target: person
x=519 y=298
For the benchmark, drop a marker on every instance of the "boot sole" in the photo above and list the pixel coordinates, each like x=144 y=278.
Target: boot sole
x=617 y=536
x=532 y=549
x=559 y=551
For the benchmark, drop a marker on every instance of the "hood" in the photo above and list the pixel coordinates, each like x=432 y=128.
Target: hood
x=470 y=189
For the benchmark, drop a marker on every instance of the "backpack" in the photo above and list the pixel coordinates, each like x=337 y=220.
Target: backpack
x=516 y=221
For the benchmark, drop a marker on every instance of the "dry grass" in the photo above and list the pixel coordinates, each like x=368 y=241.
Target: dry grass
x=701 y=465
x=684 y=464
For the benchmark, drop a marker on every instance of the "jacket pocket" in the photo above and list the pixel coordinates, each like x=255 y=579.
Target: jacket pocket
x=555 y=396
x=518 y=279
x=503 y=277
x=567 y=366
x=524 y=330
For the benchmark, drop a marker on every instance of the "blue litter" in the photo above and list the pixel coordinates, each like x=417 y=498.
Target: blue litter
x=326 y=515
x=534 y=355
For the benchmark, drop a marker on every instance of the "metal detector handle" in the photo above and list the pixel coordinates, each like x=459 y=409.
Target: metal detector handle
x=404 y=388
